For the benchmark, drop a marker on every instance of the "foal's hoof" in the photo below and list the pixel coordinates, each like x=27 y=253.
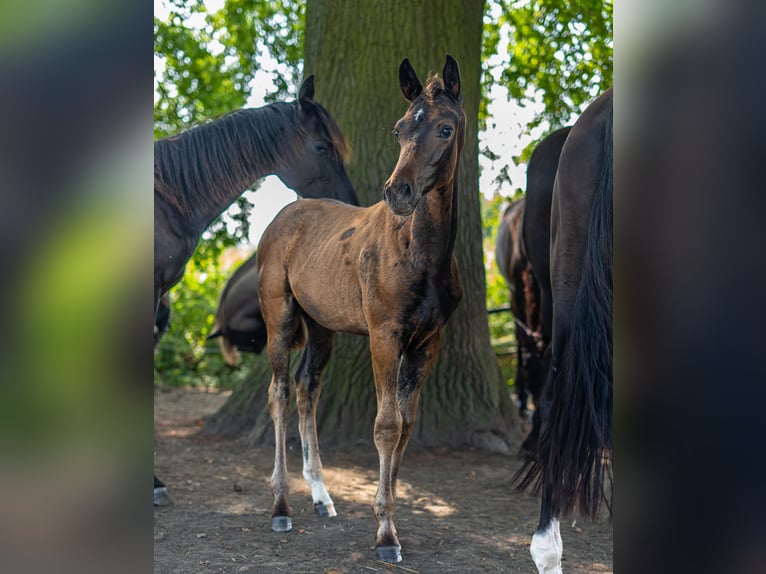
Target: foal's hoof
x=281 y=523
x=325 y=510
x=161 y=497
x=390 y=554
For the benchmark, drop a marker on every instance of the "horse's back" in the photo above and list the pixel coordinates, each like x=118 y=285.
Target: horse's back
x=240 y=306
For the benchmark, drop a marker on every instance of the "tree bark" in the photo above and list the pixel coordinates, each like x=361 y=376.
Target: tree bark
x=354 y=49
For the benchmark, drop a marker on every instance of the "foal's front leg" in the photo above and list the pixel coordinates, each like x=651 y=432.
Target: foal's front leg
x=388 y=431
x=414 y=366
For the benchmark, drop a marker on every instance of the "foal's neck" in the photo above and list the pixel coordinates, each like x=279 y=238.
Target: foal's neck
x=433 y=227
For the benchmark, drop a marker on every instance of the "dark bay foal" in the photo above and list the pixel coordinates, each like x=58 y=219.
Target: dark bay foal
x=386 y=271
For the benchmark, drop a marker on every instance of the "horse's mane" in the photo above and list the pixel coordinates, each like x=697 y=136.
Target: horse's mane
x=200 y=166
x=434 y=88
x=203 y=165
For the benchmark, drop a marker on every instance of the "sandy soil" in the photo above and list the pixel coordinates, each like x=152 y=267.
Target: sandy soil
x=456 y=512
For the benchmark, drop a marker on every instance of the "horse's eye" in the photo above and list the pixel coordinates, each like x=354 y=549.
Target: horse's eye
x=445 y=132
x=396 y=133
x=320 y=147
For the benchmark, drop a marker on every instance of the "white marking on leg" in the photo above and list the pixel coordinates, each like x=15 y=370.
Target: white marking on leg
x=546 y=549
x=319 y=493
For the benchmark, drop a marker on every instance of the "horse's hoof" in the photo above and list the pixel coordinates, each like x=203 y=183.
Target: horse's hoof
x=325 y=510
x=390 y=554
x=161 y=497
x=281 y=523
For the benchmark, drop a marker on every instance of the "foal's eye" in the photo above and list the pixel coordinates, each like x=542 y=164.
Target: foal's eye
x=396 y=133
x=445 y=132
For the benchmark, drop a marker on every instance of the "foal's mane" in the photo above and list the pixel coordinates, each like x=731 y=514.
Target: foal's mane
x=434 y=88
x=203 y=165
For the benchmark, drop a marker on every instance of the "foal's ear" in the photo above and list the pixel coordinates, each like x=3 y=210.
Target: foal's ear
x=451 y=77
x=408 y=81
x=306 y=95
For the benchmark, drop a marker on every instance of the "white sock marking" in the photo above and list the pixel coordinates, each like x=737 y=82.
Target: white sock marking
x=546 y=549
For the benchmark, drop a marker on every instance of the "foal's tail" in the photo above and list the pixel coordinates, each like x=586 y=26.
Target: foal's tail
x=573 y=464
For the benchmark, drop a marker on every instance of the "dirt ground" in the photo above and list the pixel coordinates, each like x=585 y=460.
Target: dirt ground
x=456 y=512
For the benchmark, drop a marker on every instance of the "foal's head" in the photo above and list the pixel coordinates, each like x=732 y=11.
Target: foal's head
x=430 y=135
x=321 y=170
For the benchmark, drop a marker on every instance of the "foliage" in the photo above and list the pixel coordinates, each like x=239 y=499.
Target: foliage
x=559 y=51
x=184 y=356
x=501 y=325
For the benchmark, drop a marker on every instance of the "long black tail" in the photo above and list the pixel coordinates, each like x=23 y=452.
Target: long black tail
x=573 y=463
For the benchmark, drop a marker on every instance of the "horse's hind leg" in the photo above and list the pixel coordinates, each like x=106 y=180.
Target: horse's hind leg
x=307 y=382
x=282 y=322
x=547 y=547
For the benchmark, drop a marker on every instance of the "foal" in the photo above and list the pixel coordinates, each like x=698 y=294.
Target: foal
x=386 y=271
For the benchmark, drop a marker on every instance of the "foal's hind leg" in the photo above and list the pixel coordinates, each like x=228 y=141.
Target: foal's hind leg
x=282 y=322
x=307 y=382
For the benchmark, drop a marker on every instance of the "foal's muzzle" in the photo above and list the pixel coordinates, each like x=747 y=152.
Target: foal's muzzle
x=401 y=198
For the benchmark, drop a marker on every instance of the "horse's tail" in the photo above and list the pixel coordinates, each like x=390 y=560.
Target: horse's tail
x=573 y=463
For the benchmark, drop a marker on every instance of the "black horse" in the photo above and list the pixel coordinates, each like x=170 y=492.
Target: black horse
x=525 y=304
x=522 y=250
x=200 y=172
x=536 y=220
x=238 y=320
x=162 y=318
x=572 y=464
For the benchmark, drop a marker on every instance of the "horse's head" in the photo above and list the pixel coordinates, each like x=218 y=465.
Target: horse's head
x=430 y=137
x=233 y=341
x=321 y=171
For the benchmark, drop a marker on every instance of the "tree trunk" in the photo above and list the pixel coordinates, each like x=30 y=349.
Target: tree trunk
x=355 y=49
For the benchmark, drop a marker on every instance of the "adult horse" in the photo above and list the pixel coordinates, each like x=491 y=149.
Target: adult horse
x=386 y=271
x=238 y=320
x=525 y=304
x=162 y=318
x=530 y=245
x=200 y=172
x=572 y=464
